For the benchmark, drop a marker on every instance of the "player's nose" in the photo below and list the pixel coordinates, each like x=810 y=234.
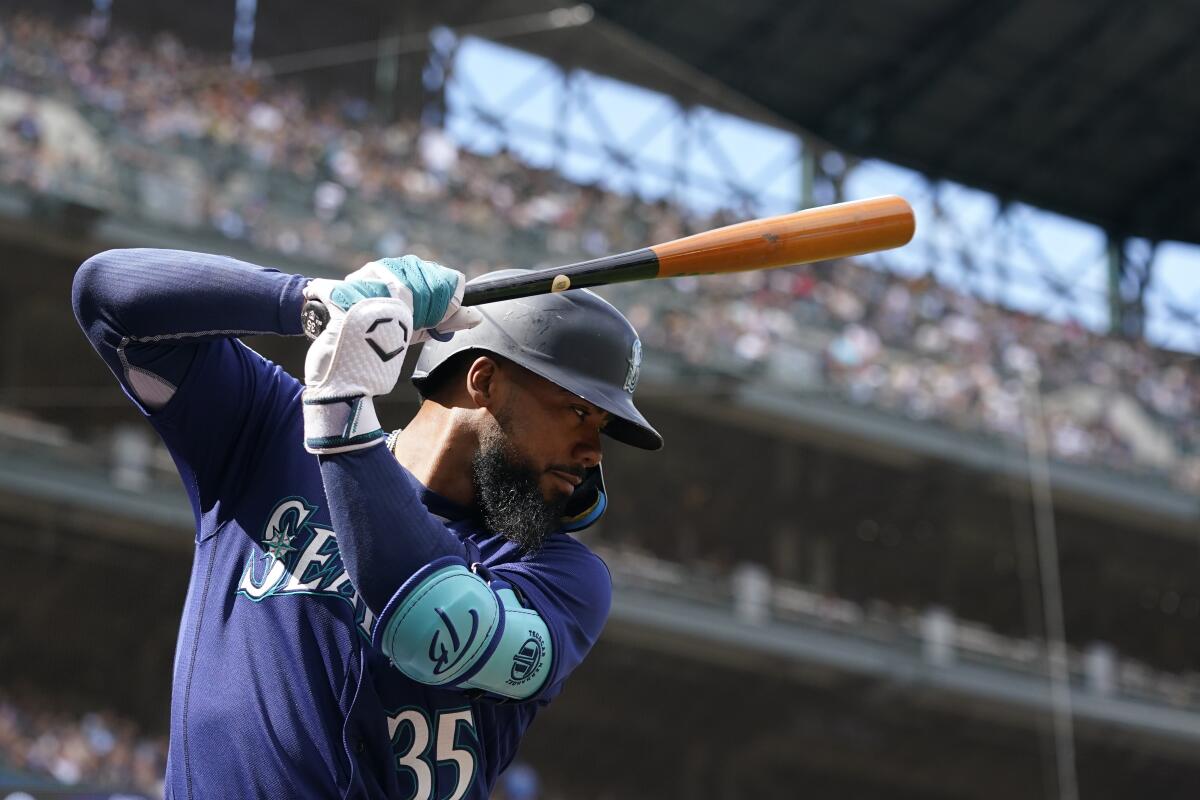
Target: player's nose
x=587 y=451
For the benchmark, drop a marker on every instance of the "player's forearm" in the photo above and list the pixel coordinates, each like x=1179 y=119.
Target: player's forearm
x=385 y=533
x=145 y=311
x=159 y=294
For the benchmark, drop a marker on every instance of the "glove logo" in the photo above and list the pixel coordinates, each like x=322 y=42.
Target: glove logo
x=439 y=654
x=387 y=355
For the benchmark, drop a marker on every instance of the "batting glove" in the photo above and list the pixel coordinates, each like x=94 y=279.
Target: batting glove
x=375 y=315
x=434 y=292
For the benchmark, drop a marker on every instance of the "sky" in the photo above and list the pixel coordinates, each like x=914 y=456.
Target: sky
x=966 y=242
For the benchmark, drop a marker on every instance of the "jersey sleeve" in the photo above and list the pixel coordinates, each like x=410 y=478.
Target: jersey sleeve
x=570 y=588
x=227 y=410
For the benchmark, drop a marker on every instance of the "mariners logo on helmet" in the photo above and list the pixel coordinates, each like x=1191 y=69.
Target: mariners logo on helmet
x=635 y=366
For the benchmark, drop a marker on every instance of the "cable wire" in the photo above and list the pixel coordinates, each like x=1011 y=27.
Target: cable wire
x=1046 y=537
x=400 y=44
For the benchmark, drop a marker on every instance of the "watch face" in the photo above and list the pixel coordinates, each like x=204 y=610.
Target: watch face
x=313 y=318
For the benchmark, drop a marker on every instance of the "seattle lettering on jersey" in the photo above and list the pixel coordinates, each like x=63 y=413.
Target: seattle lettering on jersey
x=298 y=556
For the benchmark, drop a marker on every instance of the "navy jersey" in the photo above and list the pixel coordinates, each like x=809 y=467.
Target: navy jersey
x=277 y=689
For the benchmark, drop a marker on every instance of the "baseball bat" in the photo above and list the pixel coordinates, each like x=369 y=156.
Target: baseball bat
x=814 y=234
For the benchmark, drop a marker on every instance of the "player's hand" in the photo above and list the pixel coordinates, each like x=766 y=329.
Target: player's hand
x=375 y=315
x=435 y=293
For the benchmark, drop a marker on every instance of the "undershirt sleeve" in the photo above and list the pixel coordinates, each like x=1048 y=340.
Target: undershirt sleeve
x=385 y=532
x=145 y=310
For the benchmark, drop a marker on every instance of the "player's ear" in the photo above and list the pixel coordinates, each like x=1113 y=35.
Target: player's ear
x=482 y=380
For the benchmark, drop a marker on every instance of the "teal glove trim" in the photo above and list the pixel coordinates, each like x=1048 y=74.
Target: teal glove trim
x=340 y=424
x=520 y=664
x=445 y=622
x=432 y=287
x=347 y=293
x=334 y=443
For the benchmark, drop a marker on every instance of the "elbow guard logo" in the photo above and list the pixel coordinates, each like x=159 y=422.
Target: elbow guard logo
x=528 y=659
x=439 y=654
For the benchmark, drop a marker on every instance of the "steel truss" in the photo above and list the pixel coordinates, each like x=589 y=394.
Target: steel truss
x=1004 y=258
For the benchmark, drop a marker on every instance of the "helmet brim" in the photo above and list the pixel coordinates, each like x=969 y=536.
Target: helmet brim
x=626 y=424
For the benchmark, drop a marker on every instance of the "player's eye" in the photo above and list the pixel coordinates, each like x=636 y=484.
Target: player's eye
x=581 y=411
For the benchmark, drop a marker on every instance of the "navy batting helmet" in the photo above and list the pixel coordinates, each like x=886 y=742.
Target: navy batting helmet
x=574 y=339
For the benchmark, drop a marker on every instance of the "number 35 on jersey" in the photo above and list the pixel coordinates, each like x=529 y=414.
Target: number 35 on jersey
x=435 y=754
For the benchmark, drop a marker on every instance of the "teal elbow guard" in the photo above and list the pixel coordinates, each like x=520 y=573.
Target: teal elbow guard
x=447 y=626
x=521 y=662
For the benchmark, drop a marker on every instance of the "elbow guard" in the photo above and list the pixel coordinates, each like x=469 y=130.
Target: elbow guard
x=448 y=626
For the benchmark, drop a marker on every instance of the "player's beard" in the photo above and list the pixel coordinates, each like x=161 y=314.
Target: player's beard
x=508 y=491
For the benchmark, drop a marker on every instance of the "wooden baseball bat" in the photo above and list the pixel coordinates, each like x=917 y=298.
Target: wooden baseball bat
x=814 y=234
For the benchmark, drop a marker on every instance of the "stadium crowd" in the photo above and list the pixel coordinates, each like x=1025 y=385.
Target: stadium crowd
x=932 y=353
x=98 y=749
x=174 y=135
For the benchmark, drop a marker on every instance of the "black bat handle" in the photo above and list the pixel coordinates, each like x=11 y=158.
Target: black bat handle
x=635 y=265
x=314 y=316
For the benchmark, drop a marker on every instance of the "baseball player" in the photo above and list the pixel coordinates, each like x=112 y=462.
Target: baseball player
x=369 y=615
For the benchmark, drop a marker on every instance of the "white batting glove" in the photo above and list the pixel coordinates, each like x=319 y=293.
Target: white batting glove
x=360 y=354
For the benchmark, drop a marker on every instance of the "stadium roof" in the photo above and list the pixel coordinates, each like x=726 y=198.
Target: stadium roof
x=1084 y=107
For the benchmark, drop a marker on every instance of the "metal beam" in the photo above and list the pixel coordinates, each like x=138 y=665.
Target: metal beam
x=918 y=62
x=921 y=72
x=1090 y=115
x=1128 y=280
x=1004 y=104
x=760 y=29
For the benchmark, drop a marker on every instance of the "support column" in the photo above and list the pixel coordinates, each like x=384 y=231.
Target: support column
x=1130 y=270
x=387 y=72
x=562 y=118
x=680 y=184
x=409 y=80
x=244 y=14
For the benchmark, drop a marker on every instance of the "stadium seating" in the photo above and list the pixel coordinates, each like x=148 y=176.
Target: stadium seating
x=118 y=123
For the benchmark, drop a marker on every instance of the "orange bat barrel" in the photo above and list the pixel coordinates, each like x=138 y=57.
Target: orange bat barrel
x=815 y=234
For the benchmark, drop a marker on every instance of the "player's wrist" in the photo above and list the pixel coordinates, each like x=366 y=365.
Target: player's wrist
x=340 y=424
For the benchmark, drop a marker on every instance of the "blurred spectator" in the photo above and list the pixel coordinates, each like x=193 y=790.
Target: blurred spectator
x=518 y=782
x=937 y=636
x=97 y=749
x=132 y=451
x=1100 y=668
x=751 y=585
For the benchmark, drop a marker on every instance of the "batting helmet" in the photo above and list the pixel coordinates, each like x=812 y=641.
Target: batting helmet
x=574 y=339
